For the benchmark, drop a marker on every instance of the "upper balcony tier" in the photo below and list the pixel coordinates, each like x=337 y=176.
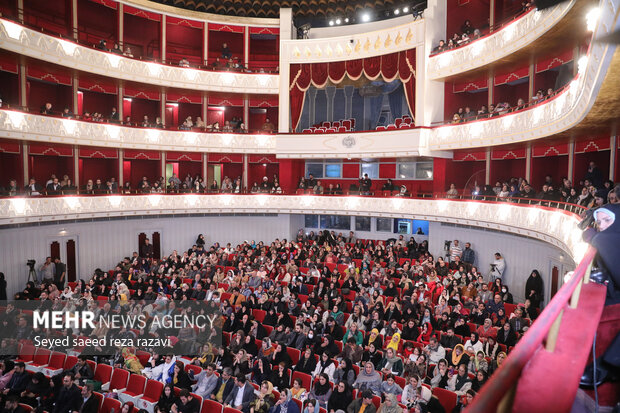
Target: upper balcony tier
x=534 y=33
x=22 y=40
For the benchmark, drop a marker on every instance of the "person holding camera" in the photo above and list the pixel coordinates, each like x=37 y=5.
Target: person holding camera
x=498 y=267
x=365 y=185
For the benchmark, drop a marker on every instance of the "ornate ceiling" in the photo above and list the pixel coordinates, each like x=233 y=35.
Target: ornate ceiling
x=271 y=8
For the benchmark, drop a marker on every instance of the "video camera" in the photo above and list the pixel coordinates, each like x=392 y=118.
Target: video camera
x=31 y=263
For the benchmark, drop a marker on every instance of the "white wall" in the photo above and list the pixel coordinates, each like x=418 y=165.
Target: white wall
x=522 y=254
x=103 y=244
x=350 y=29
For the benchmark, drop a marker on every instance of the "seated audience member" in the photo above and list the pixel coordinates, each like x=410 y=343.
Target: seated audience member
x=47 y=109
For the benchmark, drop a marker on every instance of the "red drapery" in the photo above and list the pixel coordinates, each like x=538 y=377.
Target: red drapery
x=390 y=67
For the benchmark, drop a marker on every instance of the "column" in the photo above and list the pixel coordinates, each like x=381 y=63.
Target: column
x=162 y=167
x=121 y=178
x=119 y=109
x=491 y=13
x=246 y=45
x=531 y=75
x=205 y=171
x=571 y=161
x=576 y=55
x=163 y=37
x=205 y=46
x=75 y=95
x=348 y=102
x=491 y=87
x=244 y=178
x=284 y=122
x=246 y=112
x=20 y=12
x=25 y=162
x=205 y=106
x=487 y=167
x=120 y=25
x=74 y=19
x=162 y=107
x=613 y=147
x=528 y=162
x=76 y=165
x=311 y=106
x=330 y=91
x=23 y=89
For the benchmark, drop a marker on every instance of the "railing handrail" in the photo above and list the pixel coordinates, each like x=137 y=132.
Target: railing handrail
x=507 y=375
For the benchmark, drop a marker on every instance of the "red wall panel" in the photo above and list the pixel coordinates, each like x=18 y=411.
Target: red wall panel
x=41 y=92
x=189 y=109
x=141 y=107
x=53 y=16
x=503 y=170
x=183 y=41
x=143 y=167
x=233 y=40
x=459 y=10
x=42 y=167
x=96 y=22
x=98 y=102
x=387 y=170
x=582 y=161
x=232 y=170
x=556 y=166
x=351 y=170
x=142 y=35
x=93 y=168
x=11 y=168
x=462 y=173
x=192 y=168
x=10 y=89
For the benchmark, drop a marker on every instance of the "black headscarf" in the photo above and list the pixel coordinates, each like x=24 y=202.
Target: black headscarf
x=606 y=243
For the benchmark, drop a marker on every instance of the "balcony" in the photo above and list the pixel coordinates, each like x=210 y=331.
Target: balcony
x=24 y=41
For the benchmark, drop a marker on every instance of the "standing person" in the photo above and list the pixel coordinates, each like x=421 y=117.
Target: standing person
x=68 y=399
x=60 y=271
x=534 y=289
x=365 y=185
x=498 y=267
x=2 y=287
x=455 y=251
x=47 y=270
x=146 y=250
x=469 y=256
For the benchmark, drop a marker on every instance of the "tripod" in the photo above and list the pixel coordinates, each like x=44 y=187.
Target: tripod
x=32 y=275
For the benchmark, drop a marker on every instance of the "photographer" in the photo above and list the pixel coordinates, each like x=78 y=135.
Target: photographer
x=365 y=184
x=497 y=267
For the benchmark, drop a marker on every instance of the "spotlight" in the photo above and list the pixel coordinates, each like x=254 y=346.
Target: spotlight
x=396 y=12
x=405 y=9
x=365 y=17
x=338 y=21
x=331 y=22
x=346 y=20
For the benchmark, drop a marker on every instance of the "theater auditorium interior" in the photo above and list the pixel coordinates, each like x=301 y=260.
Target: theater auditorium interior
x=276 y=206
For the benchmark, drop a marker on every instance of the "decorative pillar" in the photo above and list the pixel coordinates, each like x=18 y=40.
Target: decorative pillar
x=119 y=109
x=246 y=45
x=25 y=162
x=244 y=183
x=246 y=112
x=76 y=166
x=121 y=178
x=491 y=14
x=311 y=106
x=613 y=145
x=205 y=171
x=528 y=162
x=487 y=167
x=20 y=11
x=490 y=88
x=163 y=38
x=74 y=19
x=162 y=107
x=205 y=106
x=571 y=161
x=162 y=167
x=576 y=53
x=23 y=89
x=205 y=45
x=286 y=33
x=330 y=92
x=348 y=101
x=120 y=25
x=75 y=94
x=531 y=75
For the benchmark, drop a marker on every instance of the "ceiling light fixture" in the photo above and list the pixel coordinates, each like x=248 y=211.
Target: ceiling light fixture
x=406 y=9
x=396 y=12
x=331 y=22
x=338 y=21
x=365 y=17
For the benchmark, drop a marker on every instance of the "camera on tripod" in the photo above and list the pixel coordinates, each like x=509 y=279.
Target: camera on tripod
x=31 y=264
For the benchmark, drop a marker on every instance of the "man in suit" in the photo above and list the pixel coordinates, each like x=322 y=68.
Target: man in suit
x=224 y=386
x=207 y=381
x=33 y=188
x=363 y=404
x=12 y=405
x=60 y=270
x=69 y=398
x=90 y=403
x=146 y=250
x=242 y=394
x=186 y=403
x=53 y=188
x=19 y=381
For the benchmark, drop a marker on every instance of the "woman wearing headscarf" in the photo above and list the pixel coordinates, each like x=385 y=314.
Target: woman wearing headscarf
x=38 y=389
x=341 y=398
x=390 y=405
x=372 y=355
x=345 y=372
x=391 y=363
x=286 y=404
x=261 y=371
x=321 y=390
x=394 y=343
x=241 y=363
x=474 y=342
x=415 y=392
x=478 y=363
x=307 y=362
x=506 y=335
x=427 y=332
x=266 y=349
x=325 y=365
x=534 y=288
x=166 y=400
x=479 y=380
x=459 y=382
x=280 y=377
x=180 y=378
x=495 y=364
x=131 y=362
x=280 y=355
x=373 y=338
x=369 y=379
x=264 y=399
x=458 y=356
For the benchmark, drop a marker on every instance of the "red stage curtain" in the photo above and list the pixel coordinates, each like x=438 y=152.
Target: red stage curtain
x=400 y=65
x=355 y=68
x=319 y=74
x=337 y=71
x=372 y=67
